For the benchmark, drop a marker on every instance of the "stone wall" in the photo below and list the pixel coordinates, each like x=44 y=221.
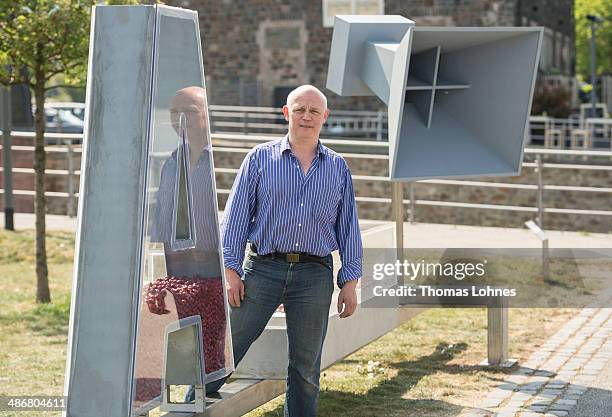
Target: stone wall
x=253 y=47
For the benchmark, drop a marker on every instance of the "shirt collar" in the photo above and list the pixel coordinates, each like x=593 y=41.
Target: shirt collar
x=285 y=145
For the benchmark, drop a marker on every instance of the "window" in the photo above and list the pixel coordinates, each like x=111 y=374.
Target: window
x=332 y=8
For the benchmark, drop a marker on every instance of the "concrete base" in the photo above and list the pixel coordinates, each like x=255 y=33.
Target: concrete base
x=508 y=363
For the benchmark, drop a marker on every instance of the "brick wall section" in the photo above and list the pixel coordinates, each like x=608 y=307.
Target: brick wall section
x=267 y=43
x=25 y=181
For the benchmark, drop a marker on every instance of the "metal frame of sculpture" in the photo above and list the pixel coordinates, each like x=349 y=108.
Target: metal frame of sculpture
x=148 y=256
x=458 y=98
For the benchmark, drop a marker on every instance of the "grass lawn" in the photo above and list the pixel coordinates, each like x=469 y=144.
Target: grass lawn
x=425 y=367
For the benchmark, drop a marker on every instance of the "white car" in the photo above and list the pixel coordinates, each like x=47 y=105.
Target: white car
x=64 y=117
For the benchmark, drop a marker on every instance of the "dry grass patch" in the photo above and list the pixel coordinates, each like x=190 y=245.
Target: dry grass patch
x=428 y=364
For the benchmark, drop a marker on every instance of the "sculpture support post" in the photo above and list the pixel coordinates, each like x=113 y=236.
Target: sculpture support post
x=398 y=214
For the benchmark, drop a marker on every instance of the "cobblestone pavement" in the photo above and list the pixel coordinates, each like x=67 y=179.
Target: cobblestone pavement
x=555 y=377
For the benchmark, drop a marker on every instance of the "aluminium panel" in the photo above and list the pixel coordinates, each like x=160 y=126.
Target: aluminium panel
x=148 y=251
x=110 y=217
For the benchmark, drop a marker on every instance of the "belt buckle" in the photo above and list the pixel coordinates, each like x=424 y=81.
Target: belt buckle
x=293 y=257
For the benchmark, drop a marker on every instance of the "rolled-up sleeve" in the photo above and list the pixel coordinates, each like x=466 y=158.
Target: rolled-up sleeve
x=347 y=234
x=239 y=213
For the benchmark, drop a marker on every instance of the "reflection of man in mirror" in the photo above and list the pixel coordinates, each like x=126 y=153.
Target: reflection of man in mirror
x=185 y=220
x=203 y=259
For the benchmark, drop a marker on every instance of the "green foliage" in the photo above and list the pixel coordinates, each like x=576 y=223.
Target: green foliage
x=46 y=37
x=601 y=8
x=50 y=318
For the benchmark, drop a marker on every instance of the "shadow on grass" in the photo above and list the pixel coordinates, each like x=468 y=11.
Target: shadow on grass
x=386 y=398
x=49 y=319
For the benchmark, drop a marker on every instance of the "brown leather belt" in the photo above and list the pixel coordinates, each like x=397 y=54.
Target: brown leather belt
x=293 y=257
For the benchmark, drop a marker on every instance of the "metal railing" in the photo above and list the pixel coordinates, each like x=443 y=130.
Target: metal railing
x=269 y=120
x=540 y=210
x=573 y=133
x=373 y=150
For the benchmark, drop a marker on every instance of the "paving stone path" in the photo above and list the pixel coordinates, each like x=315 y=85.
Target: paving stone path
x=553 y=379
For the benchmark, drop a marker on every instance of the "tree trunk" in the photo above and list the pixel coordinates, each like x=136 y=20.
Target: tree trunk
x=42 y=274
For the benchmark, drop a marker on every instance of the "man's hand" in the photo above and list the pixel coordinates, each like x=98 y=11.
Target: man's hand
x=235 y=287
x=348 y=299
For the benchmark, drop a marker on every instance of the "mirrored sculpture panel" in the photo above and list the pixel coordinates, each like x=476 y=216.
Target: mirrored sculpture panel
x=183 y=269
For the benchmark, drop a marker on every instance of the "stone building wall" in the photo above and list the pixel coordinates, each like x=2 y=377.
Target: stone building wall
x=251 y=47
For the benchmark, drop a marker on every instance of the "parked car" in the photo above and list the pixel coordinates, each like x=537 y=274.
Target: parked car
x=64 y=117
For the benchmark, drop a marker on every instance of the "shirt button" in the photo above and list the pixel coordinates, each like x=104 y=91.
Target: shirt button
x=296 y=244
x=300 y=225
x=301 y=204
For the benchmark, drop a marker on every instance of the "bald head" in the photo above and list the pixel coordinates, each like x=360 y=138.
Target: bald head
x=306 y=111
x=191 y=101
x=306 y=90
x=189 y=96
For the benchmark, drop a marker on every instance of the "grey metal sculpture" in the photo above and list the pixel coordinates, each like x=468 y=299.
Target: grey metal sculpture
x=183 y=363
x=147 y=247
x=458 y=98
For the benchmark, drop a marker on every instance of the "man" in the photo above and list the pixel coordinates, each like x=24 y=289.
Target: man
x=293 y=200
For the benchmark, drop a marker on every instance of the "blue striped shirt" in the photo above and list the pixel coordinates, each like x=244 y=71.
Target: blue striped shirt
x=278 y=208
x=204 y=208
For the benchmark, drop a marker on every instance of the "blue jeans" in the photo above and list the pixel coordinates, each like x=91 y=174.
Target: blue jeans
x=306 y=290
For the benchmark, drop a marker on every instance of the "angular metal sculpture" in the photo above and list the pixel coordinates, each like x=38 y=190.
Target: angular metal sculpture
x=458 y=98
x=147 y=247
x=183 y=358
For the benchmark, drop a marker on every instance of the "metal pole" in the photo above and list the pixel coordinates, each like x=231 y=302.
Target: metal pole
x=70 y=156
x=545 y=260
x=593 y=72
x=398 y=214
x=411 y=214
x=379 y=125
x=497 y=332
x=540 y=218
x=7 y=163
x=70 y=166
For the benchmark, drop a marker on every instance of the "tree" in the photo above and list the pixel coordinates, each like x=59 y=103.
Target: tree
x=601 y=8
x=40 y=39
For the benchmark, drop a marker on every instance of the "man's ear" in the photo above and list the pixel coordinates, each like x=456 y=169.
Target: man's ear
x=325 y=115
x=286 y=112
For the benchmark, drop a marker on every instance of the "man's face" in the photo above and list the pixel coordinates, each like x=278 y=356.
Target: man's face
x=192 y=103
x=306 y=114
